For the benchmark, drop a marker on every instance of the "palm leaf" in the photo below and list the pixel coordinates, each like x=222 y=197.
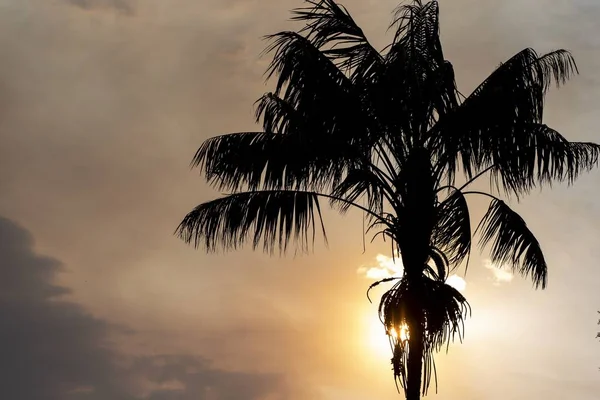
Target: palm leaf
x=330 y=27
x=501 y=109
x=540 y=156
x=417 y=26
x=300 y=66
x=441 y=262
x=513 y=243
x=359 y=183
x=324 y=99
x=518 y=86
x=273 y=218
x=261 y=160
x=452 y=231
x=278 y=115
x=420 y=79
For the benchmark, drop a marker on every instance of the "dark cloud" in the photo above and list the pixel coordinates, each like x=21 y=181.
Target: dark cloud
x=186 y=377
x=53 y=350
x=48 y=347
x=121 y=6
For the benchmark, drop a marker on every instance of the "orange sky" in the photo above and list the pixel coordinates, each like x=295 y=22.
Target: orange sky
x=102 y=105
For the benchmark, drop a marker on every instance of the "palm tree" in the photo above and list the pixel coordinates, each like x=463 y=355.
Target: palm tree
x=389 y=134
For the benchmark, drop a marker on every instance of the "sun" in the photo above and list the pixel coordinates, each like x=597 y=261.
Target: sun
x=404 y=336
x=379 y=340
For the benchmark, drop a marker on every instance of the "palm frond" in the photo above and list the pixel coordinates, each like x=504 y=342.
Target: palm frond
x=539 y=156
x=513 y=243
x=501 y=109
x=323 y=97
x=558 y=66
x=452 y=231
x=421 y=79
x=519 y=85
x=278 y=115
x=358 y=183
x=300 y=66
x=417 y=25
x=441 y=262
x=263 y=160
x=273 y=218
x=330 y=27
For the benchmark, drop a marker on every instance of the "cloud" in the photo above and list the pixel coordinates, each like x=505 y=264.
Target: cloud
x=121 y=6
x=388 y=267
x=457 y=283
x=500 y=273
x=54 y=350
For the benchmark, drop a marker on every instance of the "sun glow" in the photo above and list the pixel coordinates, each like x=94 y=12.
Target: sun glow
x=404 y=336
x=379 y=339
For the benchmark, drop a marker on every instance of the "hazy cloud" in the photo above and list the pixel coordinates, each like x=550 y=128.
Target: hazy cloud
x=121 y=6
x=53 y=350
x=387 y=267
x=457 y=282
x=500 y=273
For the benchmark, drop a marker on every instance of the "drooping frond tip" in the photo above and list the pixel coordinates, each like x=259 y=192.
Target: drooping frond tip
x=512 y=242
x=452 y=231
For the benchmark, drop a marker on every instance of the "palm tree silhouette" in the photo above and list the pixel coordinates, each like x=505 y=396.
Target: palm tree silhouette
x=389 y=134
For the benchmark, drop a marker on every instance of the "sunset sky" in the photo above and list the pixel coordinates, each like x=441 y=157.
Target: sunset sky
x=102 y=106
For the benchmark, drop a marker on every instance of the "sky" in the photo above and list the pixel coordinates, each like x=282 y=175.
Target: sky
x=102 y=105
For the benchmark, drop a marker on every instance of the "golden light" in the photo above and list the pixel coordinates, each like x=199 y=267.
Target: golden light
x=404 y=336
x=380 y=341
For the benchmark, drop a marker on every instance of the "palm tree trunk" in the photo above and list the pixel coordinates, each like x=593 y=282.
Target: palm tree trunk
x=415 y=362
